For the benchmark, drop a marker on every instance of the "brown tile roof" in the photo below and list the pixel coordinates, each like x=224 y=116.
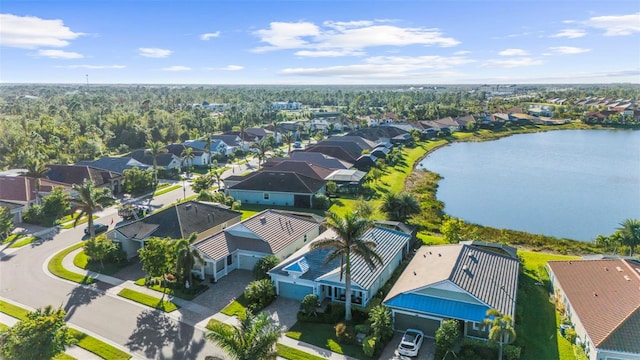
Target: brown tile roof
x=17 y=188
x=268 y=232
x=605 y=295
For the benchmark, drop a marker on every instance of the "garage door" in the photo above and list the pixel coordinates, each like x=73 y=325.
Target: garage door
x=294 y=291
x=404 y=321
x=247 y=262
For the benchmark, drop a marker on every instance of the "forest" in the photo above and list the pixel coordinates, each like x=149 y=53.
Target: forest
x=64 y=124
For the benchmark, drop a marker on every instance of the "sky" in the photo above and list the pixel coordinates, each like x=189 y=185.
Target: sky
x=320 y=42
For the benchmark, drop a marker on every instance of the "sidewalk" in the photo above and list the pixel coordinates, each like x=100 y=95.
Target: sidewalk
x=187 y=307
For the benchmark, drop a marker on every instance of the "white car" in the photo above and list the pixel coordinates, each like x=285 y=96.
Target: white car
x=411 y=342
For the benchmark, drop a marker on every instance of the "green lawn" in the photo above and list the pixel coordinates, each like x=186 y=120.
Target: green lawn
x=82 y=261
x=69 y=225
x=179 y=293
x=213 y=322
x=56 y=268
x=295 y=354
x=323 y=336
x=237 y=307
x=429 y=239
x=85 y=341
x=166 y=189
x=19 y=240
x=148 y=300
x=536 y=317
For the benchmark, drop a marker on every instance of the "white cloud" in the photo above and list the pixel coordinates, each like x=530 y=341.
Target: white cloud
x=384 y=67
x=513 y=52
x=208 y=36
x=226 y=68
x=570 y=33
x=33 y=32
x=462 y=52
x=616 y=25
x=91 y=67
x=176 y=68
x=568 y=50
x=59 y=54
x=154 y=52
x=513 y=62
x=568 y=21
x=334 y=39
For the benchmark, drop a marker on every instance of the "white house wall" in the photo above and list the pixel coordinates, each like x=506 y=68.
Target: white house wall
x=129 y=246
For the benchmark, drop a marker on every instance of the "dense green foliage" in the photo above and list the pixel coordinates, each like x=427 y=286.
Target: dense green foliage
x=254 y=338
x=6 y=223
x=381 y=323
x=138 y=181
x=100 y=249
x=447 y=336
x=264 y=265
x=259 y=294
x=310 y=304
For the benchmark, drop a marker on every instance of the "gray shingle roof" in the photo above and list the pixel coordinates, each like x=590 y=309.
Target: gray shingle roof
x=116 y=164
x=268 y=232
x=320 y=159
x=280 y=181
x=389 y=243
x=490 y=277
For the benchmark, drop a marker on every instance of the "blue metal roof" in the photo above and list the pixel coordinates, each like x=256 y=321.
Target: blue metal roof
x=440 y=307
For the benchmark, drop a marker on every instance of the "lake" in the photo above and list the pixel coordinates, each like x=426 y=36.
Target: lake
x=571 y=184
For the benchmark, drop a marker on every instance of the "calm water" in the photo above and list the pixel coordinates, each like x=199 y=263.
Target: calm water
x=574 y=183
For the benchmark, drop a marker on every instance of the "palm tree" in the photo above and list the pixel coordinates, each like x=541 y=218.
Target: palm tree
x=89 y=200
x=348 y=243
x=287 y=138
x=207 y=148
x=37 y=170
x=261 y=148
x=186 y=258
x=501 y=327
x=254 y=339
x=187 y=155
x=217 y=174
x=630 y=230
x=399 y=207
x=154 y=149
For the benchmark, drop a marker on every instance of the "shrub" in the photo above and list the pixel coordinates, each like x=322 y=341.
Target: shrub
x=263 y=265
x=344 y=335
x=363 y=329
x=570 y=335
x=446 y=337
x=511 y=352
x=260 y=293
x=321 y=202
x=309 y=304
x=369 y=345
x=332 y=188
x=381 y=323
x=336 y=312
x=578 y=351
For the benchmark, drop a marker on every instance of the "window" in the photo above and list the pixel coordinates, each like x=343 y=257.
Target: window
x=305 y=237
x=265 y=196
x=229 y=259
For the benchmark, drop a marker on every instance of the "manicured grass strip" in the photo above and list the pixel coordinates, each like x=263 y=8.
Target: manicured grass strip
x=323 y=336
x=56 y=268
x=166 y=189
x=84 y=220
x=13 y=310
x=22 y=242
x=63 y=356
x=179 y=293
x=290 y=353
x=3 y=327
x=98 y=347
x=85 y=341
x=154 y=302
x=213 y=322
x=236 y=308
x=11 y=238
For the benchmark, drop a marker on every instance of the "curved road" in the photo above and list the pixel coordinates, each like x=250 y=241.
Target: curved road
x=142 y=332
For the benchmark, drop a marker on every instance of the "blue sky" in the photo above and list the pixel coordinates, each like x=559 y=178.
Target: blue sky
x=320 y=42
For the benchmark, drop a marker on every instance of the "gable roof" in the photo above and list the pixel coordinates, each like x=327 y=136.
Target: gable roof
x=336 y=151
x=114 y=163
x=267 y=232
x=230 y=140
x=280 y=181
x=320 y=159
x=300 y=167
x=163 y=159
x=17 y=188
x=177 y=149
x=375 y=133
x=178 y=221
x=489 y=277
x=605 y=295
x=354 y=139
x=388 y=244
x=77 y=174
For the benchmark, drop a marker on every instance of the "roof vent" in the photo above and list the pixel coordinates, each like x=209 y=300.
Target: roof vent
x=188 y=206
x=606 y=268
x=414 y=273
x=439 y=254
x=263 y=220
x=595 y=294
x=626 y=277
x=619 y=268
x=465 y=268
x=471 y=254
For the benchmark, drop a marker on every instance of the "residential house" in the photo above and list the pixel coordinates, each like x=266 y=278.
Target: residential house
x=384 y=133
x=216 y=147
x=602 y=300
x=307 y=272
x=320 y=159
x=200 y=157
x=232 y=142
x=283 y=188
x=522 y=119
x=114 y=163
x=286 y=105
x=539 y=110
x=15 y=209
x=176 y=222
x=77 y=174
x=270 y=232
x=21 y=190
x=460 y=281
x=347 y=177
x=164 y=160
x=299 y=167
x=448 y=125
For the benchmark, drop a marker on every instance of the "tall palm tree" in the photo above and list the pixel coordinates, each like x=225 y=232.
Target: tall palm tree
x=261 y=148
x=348 y=243
x=287 y=138
x=37 y=170
x=154 y=149
x=630 y=230
x=207 y=148
x=254 y=339
x=217 y=174
x=186 y=258
x=187 y=155
x=501 y=329
x=399 y=207
x=88 y=200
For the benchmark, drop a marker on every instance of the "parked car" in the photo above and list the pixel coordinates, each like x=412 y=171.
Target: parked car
x=297 y=145
x=98 y=228
x=411 y=342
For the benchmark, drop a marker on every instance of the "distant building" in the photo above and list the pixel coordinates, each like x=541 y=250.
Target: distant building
x=286 y=105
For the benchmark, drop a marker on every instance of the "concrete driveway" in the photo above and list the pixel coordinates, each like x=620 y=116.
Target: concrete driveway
x=427 y=351
x=283 y=311
x=225 y=290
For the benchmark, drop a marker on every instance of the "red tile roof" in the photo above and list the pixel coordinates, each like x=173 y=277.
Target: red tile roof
x=604 y=294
